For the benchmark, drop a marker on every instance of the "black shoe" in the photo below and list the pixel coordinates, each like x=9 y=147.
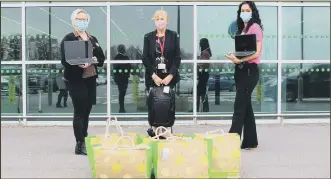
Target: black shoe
x=80 y=148
x=65 y=105
x=58 y=105
x=122 y=111
x=248 y=147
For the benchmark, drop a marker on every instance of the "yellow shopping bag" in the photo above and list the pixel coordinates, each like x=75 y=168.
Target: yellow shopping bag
x=225 y=154
x=133 y=161
x=180 y=157
x=108 y=140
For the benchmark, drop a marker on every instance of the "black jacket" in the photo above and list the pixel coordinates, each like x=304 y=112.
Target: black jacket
x=171 y=53
x=121 y=67
x=73 y=73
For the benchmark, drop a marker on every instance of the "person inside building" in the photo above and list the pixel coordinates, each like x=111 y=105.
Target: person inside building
x=122 y=75
x=62 y=85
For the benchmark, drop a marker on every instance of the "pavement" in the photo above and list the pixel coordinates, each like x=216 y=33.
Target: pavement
x=226 y=103
x=289 y=151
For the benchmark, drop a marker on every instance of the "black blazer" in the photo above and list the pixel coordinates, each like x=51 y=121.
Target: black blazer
x=73 y=73
x=171 y=53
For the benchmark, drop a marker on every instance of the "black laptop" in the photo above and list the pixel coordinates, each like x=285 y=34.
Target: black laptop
x=78 y=52
x=245 y=45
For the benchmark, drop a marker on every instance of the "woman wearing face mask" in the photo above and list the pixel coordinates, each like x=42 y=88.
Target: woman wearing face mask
x=246 y=75
x=81 y=78
x=161 y=54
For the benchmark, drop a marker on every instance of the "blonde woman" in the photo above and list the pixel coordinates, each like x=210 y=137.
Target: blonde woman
x=161 y=54
x=82 y=78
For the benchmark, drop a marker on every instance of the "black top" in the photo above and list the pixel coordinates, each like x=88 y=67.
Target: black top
x=171 y=54
x=74 y=73
x=122 y=69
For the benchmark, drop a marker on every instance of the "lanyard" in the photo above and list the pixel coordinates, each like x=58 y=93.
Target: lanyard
x=162 y=44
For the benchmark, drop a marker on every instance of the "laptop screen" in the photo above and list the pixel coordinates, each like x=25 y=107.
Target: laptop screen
x=245 y=42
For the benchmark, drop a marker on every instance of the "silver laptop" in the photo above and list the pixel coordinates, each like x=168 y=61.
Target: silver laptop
x=245 y=45
x=78 y=52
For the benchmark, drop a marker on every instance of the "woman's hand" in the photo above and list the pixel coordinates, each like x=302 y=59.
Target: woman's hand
x=157 y=80
x=95 y=59
x=167 y=79
x=233 y=58
x=84 y=65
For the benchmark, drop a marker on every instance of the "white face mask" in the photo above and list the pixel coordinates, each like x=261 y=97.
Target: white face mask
x=246 y=16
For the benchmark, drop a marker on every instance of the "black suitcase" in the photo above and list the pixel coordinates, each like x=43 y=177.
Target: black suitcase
x=161 y=107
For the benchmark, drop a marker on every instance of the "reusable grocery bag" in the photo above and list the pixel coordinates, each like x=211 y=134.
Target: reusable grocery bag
x=133 y=161
x=180 y=157
x=225 y=153
x=108 y=140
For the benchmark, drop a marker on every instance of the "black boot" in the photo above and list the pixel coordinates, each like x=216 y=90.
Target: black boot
x=58 y=105
x=65 y=105
x=80 y=148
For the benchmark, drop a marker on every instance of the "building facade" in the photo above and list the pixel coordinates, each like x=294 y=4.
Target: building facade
x=294 y=82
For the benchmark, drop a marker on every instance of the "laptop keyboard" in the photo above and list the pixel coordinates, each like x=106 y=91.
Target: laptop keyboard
x=80 y=61
x=243 y=53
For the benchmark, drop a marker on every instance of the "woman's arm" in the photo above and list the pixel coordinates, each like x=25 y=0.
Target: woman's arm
x=177 y=61
x=145 y=56
x=64 y=63
x=99 y=53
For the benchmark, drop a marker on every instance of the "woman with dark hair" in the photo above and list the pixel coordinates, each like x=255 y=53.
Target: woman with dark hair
x=203 y=75
x=122 y=75
x=246 y=75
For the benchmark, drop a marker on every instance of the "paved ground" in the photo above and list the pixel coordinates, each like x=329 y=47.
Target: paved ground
x=301 y=151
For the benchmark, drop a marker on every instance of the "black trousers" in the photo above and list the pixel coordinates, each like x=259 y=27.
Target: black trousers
x=63 y=94
x=202 y=91
x=243 y=116
x=122 y=85
x=83 y=96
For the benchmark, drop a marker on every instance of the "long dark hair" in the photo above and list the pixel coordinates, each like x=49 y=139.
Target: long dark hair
x=204 y=45
x=255 y=17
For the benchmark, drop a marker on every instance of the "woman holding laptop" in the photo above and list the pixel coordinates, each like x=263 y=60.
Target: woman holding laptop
x=246 y=75
x=81 y=78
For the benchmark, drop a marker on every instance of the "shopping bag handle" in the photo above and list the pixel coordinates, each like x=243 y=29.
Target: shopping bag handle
x=117 y=124
x=123 y=137
x=214 y=131
x=157 y=135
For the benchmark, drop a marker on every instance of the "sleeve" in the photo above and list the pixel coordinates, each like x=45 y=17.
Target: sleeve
x=145 y=56
x=257 y=30
x=64 y=63
x=177 y=60
x=99 y=54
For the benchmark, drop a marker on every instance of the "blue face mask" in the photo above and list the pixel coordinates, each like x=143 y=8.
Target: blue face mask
x=81 y=25
x=246 y=16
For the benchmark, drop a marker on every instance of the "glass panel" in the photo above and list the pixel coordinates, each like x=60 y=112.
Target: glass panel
x=306 y=88
x=221 y=89
x=135 y=94
x=213 y=25
x=129 y=29
x=11 y=90
x=11 y=33
x=42 y=101
x=307 y=35
x=45 y=34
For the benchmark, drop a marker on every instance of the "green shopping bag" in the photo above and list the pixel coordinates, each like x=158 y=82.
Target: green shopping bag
x=225 y=153
x=133 y=161
x=180 y=157
x=108 y=140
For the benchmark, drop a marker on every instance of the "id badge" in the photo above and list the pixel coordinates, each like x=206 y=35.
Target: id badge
x=166 y=89
x=161 y=66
